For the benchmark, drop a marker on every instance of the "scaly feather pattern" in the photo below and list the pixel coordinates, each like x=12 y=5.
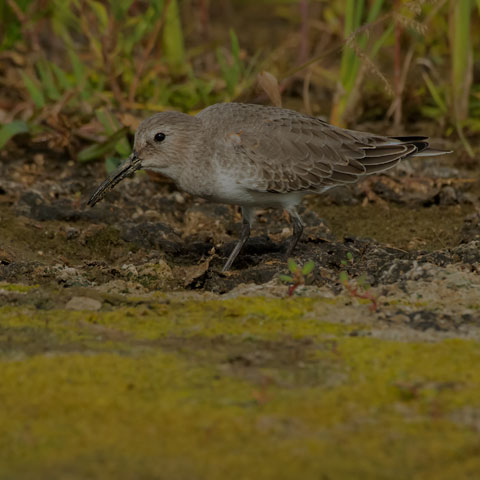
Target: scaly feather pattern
x=283 y=151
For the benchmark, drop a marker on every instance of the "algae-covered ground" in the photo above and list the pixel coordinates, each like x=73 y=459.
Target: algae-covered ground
x=126 y=354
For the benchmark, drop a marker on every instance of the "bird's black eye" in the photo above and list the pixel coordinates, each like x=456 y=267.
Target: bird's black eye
x=159 y=137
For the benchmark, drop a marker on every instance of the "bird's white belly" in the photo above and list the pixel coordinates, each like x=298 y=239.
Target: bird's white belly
x=229 y=190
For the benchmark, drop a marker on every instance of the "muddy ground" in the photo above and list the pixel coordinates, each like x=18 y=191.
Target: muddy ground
x=122 y=343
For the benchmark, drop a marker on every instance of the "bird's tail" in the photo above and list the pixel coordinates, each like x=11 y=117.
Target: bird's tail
x=423 y=148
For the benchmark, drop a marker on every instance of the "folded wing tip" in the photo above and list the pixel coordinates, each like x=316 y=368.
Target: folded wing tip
x=432 y=152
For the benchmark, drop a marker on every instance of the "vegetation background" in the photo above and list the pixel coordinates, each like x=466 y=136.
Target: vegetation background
x=78 y=75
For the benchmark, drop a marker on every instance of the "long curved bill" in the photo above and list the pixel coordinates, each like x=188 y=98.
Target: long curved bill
x=131 y=165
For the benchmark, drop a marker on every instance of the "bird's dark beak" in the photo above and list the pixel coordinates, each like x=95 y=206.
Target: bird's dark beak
x=131 y=165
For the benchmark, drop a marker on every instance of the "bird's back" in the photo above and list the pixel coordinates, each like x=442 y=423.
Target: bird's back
x=281 y=151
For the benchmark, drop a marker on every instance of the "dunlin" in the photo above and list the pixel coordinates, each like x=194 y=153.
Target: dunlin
x=253 y=155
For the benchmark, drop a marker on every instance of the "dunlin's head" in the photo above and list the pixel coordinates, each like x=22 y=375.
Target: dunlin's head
x=162 y=143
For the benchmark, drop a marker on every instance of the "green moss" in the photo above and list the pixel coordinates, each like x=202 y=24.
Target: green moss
x=17 y=287
x=248 y=318
x=403 y=302
x=262 y=388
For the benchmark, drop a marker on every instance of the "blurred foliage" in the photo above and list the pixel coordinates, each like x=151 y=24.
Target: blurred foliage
x=80 y=74
x=117 y=55
x=352 y=53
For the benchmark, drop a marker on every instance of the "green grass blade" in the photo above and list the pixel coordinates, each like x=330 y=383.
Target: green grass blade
x=375 y=10
x=100 y=149
x=235 y=52
x=64 y=19
x=350 y=62
x=61 y=78
x=78 y=68
x=11 y=129
x=382 y=40
x=226 y=72
x=348 y=56
x=101 y=14
x=47 y=80
x=460 y=54
x=173 y=43
x=461 y=58
x=112 y=125
x=34 y=90
x=120 y=8
x=108 y=121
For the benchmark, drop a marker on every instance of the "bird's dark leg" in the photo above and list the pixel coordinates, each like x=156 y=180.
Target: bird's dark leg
x=297 y=229
x=244 y=234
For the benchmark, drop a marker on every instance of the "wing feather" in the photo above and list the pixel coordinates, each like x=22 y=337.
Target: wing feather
x=286 y=151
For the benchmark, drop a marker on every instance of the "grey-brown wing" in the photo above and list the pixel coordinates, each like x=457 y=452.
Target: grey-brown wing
x=284 y=151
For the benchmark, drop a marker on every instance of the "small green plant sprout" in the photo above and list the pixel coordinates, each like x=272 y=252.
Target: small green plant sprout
x=298 y=275
x=358 y=288
x=348 y=260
